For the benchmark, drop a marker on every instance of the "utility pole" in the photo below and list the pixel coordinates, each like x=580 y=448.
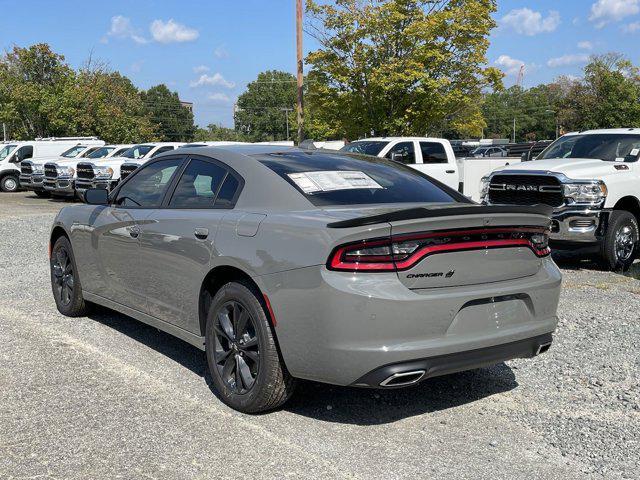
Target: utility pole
x=514 y=129
x=4 y=131
x=300 y=77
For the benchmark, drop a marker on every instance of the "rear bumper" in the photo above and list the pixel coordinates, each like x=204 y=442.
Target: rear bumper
x=410 y=373
x=338 y=327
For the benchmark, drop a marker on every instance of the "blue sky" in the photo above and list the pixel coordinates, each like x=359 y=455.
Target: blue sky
x=208 y=50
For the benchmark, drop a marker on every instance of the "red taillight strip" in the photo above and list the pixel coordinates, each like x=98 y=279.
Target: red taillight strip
x=368 y=263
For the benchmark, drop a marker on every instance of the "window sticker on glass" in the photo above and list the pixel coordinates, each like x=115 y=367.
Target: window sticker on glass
x=327 y=181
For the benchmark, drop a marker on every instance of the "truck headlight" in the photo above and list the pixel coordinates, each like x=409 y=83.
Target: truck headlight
x=484 y=188
x=66 y=171
x=104 y=172
x=593 y=192
x=38 y=168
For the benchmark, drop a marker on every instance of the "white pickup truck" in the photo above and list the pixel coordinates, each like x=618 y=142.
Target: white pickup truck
x=433 y=156
x=592 y=181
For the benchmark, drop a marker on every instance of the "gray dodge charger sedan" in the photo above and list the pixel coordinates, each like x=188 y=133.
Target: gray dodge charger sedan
x=283 y=263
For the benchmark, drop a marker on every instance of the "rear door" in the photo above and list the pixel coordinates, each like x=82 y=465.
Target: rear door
x=462 y=250
x=176 y=248
x=437 y=162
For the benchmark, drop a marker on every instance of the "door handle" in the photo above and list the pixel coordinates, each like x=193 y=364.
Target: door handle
x=450 y=171
x=201 y=233
x=134 y=231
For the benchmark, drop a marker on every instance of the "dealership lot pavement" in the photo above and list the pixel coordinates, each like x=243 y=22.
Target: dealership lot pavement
x=107 y=397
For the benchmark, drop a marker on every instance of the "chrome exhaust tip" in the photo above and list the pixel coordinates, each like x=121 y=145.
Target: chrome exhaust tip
x=543 y=347
x=403 y=379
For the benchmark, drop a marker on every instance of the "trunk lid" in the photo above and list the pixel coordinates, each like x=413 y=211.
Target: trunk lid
x=468 y=248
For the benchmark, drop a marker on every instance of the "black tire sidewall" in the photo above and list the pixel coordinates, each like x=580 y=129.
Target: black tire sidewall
x=3 y=183
x=618 y=220
x=77 y=305
x=248 y=402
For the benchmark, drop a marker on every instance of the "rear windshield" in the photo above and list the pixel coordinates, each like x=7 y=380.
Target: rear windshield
x=373 y=147
x=348 y=179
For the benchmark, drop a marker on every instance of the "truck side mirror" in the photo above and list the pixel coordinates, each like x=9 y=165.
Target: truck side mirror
x=396 y=157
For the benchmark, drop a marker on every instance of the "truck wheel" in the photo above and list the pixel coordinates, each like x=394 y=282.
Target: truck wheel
x=9 y=183
x=243 y=358
x=42 y=193
x=620 y=243
x=65 y=283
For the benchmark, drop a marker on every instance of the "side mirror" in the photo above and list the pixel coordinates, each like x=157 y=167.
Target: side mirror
x=96 y=196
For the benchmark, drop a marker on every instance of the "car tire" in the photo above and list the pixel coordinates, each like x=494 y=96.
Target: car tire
x=42 y=193
x=245 y=364
x=65 y=283
x=9 y=184
x=619 y=247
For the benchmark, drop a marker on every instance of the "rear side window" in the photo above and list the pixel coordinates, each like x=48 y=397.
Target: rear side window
x=383 y=181
x=404 y=153
x=198 y=185
x=433 y=152
x=227 y=194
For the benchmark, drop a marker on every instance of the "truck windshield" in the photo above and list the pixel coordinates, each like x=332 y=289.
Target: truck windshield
x=6 y=150
x=73 y=151
x=604 y=146
x=100 y=152
x=365 y=147
x=137 y=151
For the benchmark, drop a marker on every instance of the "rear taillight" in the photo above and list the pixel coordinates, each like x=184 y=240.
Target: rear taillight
x=403 y=252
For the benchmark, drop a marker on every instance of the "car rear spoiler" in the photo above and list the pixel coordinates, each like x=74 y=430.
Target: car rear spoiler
x=424 y=212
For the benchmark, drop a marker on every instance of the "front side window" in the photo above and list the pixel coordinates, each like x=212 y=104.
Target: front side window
x=120 y=152
x=603 y=146
x=404 y=153
x=433 y=152
x=24 y=153
x=73 y=151
x=147 y=186
x=348 y=179
x=365 y=147
x=138 y=151
x=198 y=185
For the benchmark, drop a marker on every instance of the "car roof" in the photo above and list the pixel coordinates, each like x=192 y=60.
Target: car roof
x=392 y=139
x=610 y=131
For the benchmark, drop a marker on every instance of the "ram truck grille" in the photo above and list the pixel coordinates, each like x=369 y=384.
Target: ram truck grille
x=127 y=170
x=50 y=171
x=85 y=171
x=26 y=169
x=526 y=190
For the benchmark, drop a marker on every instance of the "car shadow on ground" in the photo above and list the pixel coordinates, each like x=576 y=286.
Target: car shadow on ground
x=348 y=405
x=578 y=261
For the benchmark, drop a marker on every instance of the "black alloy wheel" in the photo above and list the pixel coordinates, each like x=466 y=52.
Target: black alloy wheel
x=237 y=353
x=63 y=276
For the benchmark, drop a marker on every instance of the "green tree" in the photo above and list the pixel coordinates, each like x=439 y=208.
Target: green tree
x=264 y=108
x=32 y=85
x=400 y=66
x=218 y=133
x=607 y=97
x=174 y=122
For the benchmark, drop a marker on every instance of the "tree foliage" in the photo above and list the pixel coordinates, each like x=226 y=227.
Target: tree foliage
x=218 y=133
x=400 y=66
x=264 y=108
x=173 y=121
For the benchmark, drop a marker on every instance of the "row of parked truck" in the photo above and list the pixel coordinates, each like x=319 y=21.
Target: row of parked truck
x=591 y=179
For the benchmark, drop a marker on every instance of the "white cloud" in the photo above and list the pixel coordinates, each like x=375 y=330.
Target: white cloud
x=527 y=22
x=215 y=79
x=121 y=27
x=606 y=11
x=221 y=52
x=219 y=97
x=510 y=66
x=201 y=69
x=172 y=31
x=566 y=60
x=631 y=28
x=585 y=45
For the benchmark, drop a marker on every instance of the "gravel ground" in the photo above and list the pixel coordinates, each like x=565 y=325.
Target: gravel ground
x=108 y=397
